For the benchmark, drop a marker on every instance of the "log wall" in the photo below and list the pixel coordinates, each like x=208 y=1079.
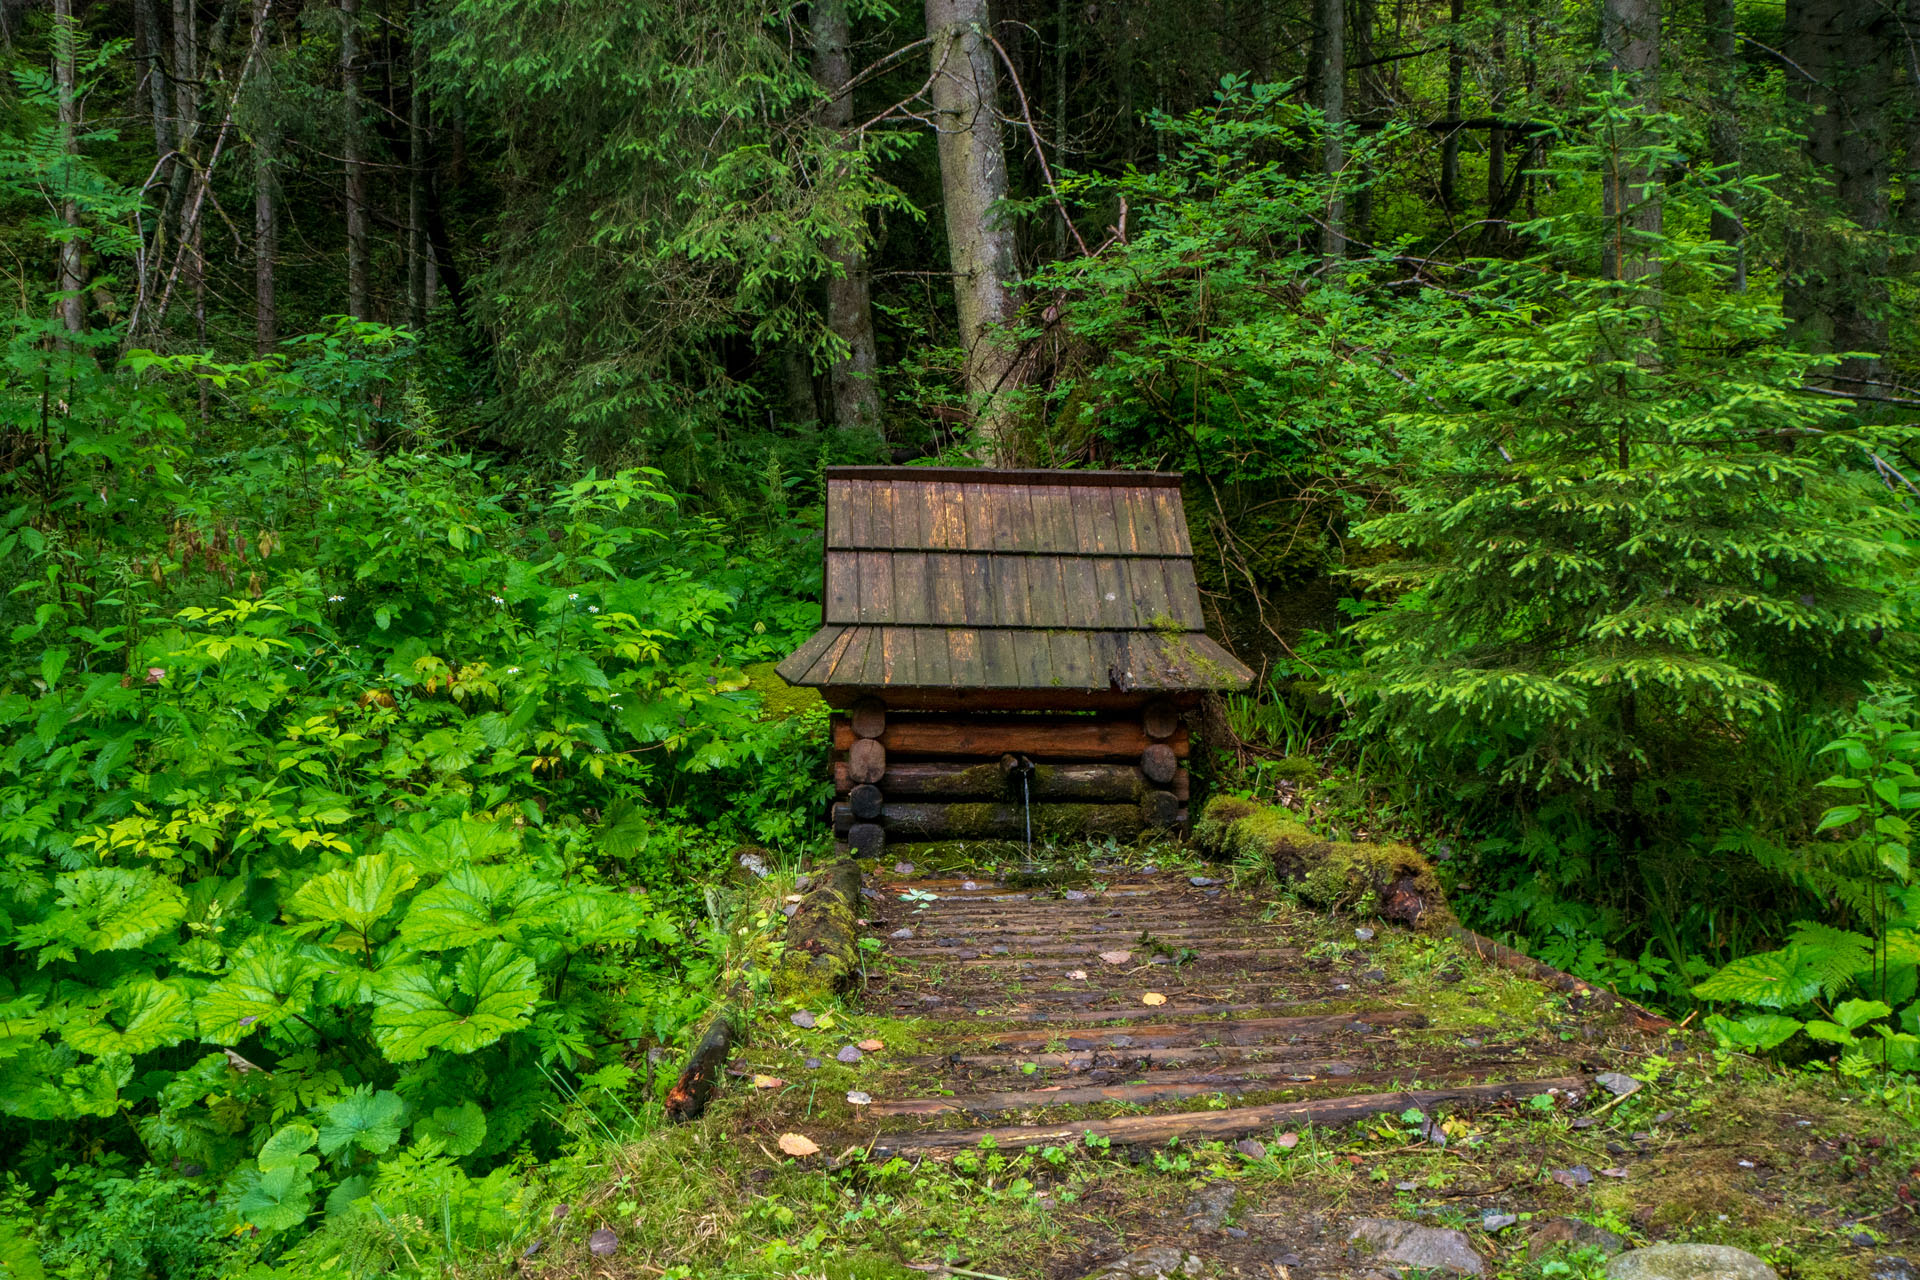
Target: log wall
x=993 y=774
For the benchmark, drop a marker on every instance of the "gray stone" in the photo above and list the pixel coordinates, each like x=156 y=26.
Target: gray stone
x=1202 y=882
x=1490 y=1221
x=1363 y=933
x=602 y=1242
x=1251 y=1148
x=1156 y=1262
x=849 y=1055
x=1578 y=1176
x=803 y=1020
x=750 y=861
x=1888 y=1267
x=903 y=868
x=1572 y=1233
x=1617 y=1084
x=1689 y=1262
x=1207 y=1211
x=812 y=1064
x=901 y=933
x=1409 y=1244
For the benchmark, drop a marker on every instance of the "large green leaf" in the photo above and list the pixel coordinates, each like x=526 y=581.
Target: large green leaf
x=261 y=991
x=105 y=909
x=1772 y=980
x=276 y=1199
x=287 y=1147
x=459 y=1130
x=468 y=1005
x=474 y=905
x=355 y=897
x=141 y=1015
x=452 y=844
x=365 y=1119
x=93 y=1088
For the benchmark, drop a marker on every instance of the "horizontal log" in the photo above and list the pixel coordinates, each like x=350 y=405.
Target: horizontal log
x=1043 y=738
x=907 y=821
x=965 y=780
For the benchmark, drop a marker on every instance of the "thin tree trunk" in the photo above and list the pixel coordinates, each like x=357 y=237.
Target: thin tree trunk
x=1837 y=290
x=266 y=222
x=852 y=384
x=150 y=51
x=72 y=277
x=1630 y=36
x=418 y=251
x=186 y=128
x=980 y=242
x=1456 y=73
x=1333 y=107
x=1723 y=127
x=1496 y=135
x=354 y=155
x=1061 y=20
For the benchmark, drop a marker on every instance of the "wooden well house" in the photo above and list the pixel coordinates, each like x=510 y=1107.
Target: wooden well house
x=1008 y=653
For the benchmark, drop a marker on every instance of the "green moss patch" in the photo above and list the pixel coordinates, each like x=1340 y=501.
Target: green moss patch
x=778 y=699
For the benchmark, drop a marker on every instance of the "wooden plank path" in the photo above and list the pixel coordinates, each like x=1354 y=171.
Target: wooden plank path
x=1048 y=1029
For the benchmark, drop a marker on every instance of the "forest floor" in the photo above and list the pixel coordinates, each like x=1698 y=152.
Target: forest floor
x=1044 y=1077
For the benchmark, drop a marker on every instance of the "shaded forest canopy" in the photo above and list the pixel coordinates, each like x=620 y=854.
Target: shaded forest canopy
x=412 y=428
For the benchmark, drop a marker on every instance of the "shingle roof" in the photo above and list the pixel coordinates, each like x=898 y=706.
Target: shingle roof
x=952 y=578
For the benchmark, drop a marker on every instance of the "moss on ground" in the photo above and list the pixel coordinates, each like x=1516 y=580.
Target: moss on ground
x=778 y=699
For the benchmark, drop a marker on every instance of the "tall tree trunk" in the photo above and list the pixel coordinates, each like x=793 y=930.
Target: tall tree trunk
x=1456 y=75
x=1496 y=135
x=1630 y=37
x=72 y=276
x=419 y=253
x=186 y=129
x=980 y=242
x=851 y=382
x=1837 y=292
x=1333 y=107
x=1062 y=20
x=1723 y=128
x=150 y=51
x=355 y=158
x=266 y=221
x=1360 y=105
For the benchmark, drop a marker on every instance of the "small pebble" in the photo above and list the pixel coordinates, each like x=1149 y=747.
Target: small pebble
x=1363 y=934
x=602 y=1242
x=803 y=1020
x=901 y=933
x=1202 y=882
x=1746 y=1164
x=848 y=1055
x=1251 y=1148
x=812 y=1064
x=1406 y=1186
x=969 y=886
x=1237 y=1233
x=1491 y=1222
x=859 y=1098
x=1577 y=1176
x=1076 y=895
x=790 y=910
x=903 y=868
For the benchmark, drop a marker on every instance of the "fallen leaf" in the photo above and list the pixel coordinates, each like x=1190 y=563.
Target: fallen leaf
x=793 y=897
x=872 y=1046
x=1116 y=957
x=1153 y=997
x=1077 y=975
x=767 y=1082
x=796 y=1145
x=1613 y=1173
x=858 y=1097
x=1287 y=1141
x=1577 y=1176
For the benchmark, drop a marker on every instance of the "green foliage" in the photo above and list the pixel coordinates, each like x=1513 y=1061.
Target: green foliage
x=392 y=777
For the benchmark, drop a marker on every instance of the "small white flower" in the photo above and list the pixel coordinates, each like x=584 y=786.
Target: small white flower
x=513 y=671
x=298 y=667
x=593 y=608
x=496 y=599
x=574 y=596
x=335 y=599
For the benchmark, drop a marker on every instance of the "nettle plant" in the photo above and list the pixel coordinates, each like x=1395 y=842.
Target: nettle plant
x=1841 y=987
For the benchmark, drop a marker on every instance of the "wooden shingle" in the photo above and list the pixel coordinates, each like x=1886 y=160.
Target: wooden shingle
x=956 y=579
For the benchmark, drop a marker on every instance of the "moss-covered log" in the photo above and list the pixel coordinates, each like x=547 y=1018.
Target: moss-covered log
x=986 y=820
x=689 y=1095
x=1392 y=881
x=822 y=953
x=956 y=780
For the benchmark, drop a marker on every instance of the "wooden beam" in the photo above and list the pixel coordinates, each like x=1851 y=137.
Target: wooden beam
x=988 y=821
x=988 y=780
x=1080 y=739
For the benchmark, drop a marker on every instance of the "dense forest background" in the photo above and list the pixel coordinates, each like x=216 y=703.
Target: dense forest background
x=411 y=424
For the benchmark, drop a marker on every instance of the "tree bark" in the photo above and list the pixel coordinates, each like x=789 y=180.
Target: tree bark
x=354 y=155
x=1456 y=73
x=1333 y=108
x=1837 y=290
x=419 y=252
x=266 y=220
x=72 y=277
x=980 y=242
x=851 y=382
x=1630 y=37
x=150 y=51
x=1723 y=129
x=1496 y=135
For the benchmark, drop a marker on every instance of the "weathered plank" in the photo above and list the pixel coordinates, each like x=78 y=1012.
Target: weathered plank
x=907 y=820
x=1080 y=739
